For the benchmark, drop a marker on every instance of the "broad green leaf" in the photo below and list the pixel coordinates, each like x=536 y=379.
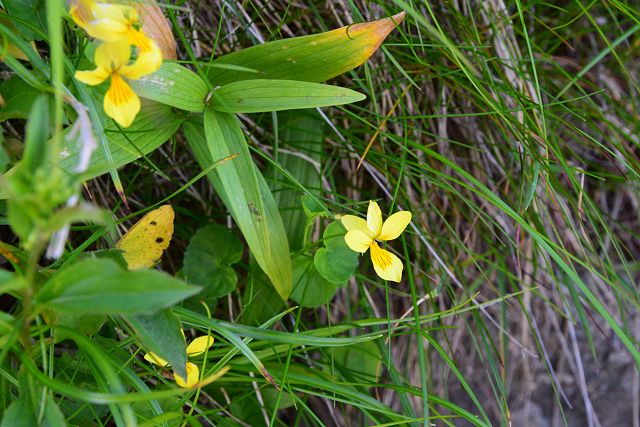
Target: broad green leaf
x=32 y=11
x=257 y=96
x=260 y=300
x=173 y=85
x=53 y=417
x=154 y=125
x=301 y=131
x=208 y=259
x=160 y=333
x=335 y=262
x=359 y=362
x=100 y=286
x=244 y=192
x=19 y=414
x=18 y=96
x=313 y=58
x=310 y=289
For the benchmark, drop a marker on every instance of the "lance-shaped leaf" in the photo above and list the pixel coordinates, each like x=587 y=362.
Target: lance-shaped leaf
x=313 y=58
x=173 y=85
x=244 y=191
x=154 y=125
x=257 y=96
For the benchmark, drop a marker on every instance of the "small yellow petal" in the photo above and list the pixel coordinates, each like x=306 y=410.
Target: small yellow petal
x=199 y=345
x=374 y=218
x=358 y=240
x=395 y=225
x=120 y=102
x=352 y=222
x=193 y=375
x=92 y=77
x=147 y=63
x=112 y=56
x=155 y=359
x=387 y=265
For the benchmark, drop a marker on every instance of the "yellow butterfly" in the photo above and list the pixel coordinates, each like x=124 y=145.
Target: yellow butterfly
x=145 y=242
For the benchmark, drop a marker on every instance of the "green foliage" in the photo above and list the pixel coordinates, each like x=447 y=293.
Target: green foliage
x=335 y=262
x=174 y=85
x=208 y=259
x=160 y=333
x=100 y=286
x=258 y=96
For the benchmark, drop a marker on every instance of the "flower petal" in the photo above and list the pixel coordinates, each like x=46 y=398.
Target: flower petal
x=111 y=22
x=352 y=222
x=374 y=218
x=155 y=359
x=193 y=375
x=358 y=240
x=395 y=225
x=81 y=11
x=107 y=30
x=387 y=265
x=147 y=63
x=120 y=102
x=112 y=56
x=139 y=38
x=92 y=77
x=199 y=345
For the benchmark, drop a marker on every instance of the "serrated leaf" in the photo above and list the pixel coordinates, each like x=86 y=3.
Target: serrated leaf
x=335 y=262
x=173 y=85
x=310 y=289
x=313 y=58
x=256 y=96
x=244 y=192
x=208 y=258
x=100 y=286
x=160 y=333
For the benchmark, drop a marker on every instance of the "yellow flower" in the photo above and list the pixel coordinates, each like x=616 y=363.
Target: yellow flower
x=195 y=348
x=112 y=60
x=110 y=23
x=362 y=235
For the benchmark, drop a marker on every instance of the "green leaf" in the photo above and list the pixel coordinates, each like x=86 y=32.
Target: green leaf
x=160 y=333
x=245 y=193
x=53 y=417
x=301 y=131
x=100 y=286
x=173 y=85
x=257 y=96
x=336 y=262
x=312 y=207
x=19 y=414
x=310 y=289
x=19 y=98
x=36 y=145
x=154 y=125
x=32 y=11
x=208 y=258
x=260 y=300
x=359 y=361
x=313 y=58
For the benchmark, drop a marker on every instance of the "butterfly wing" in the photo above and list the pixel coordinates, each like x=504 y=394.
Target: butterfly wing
x=145 y=242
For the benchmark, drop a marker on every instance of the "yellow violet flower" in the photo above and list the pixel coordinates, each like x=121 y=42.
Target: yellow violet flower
x=110 y=23
x=112 y=60
x=195 y=348
x=363 y=235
